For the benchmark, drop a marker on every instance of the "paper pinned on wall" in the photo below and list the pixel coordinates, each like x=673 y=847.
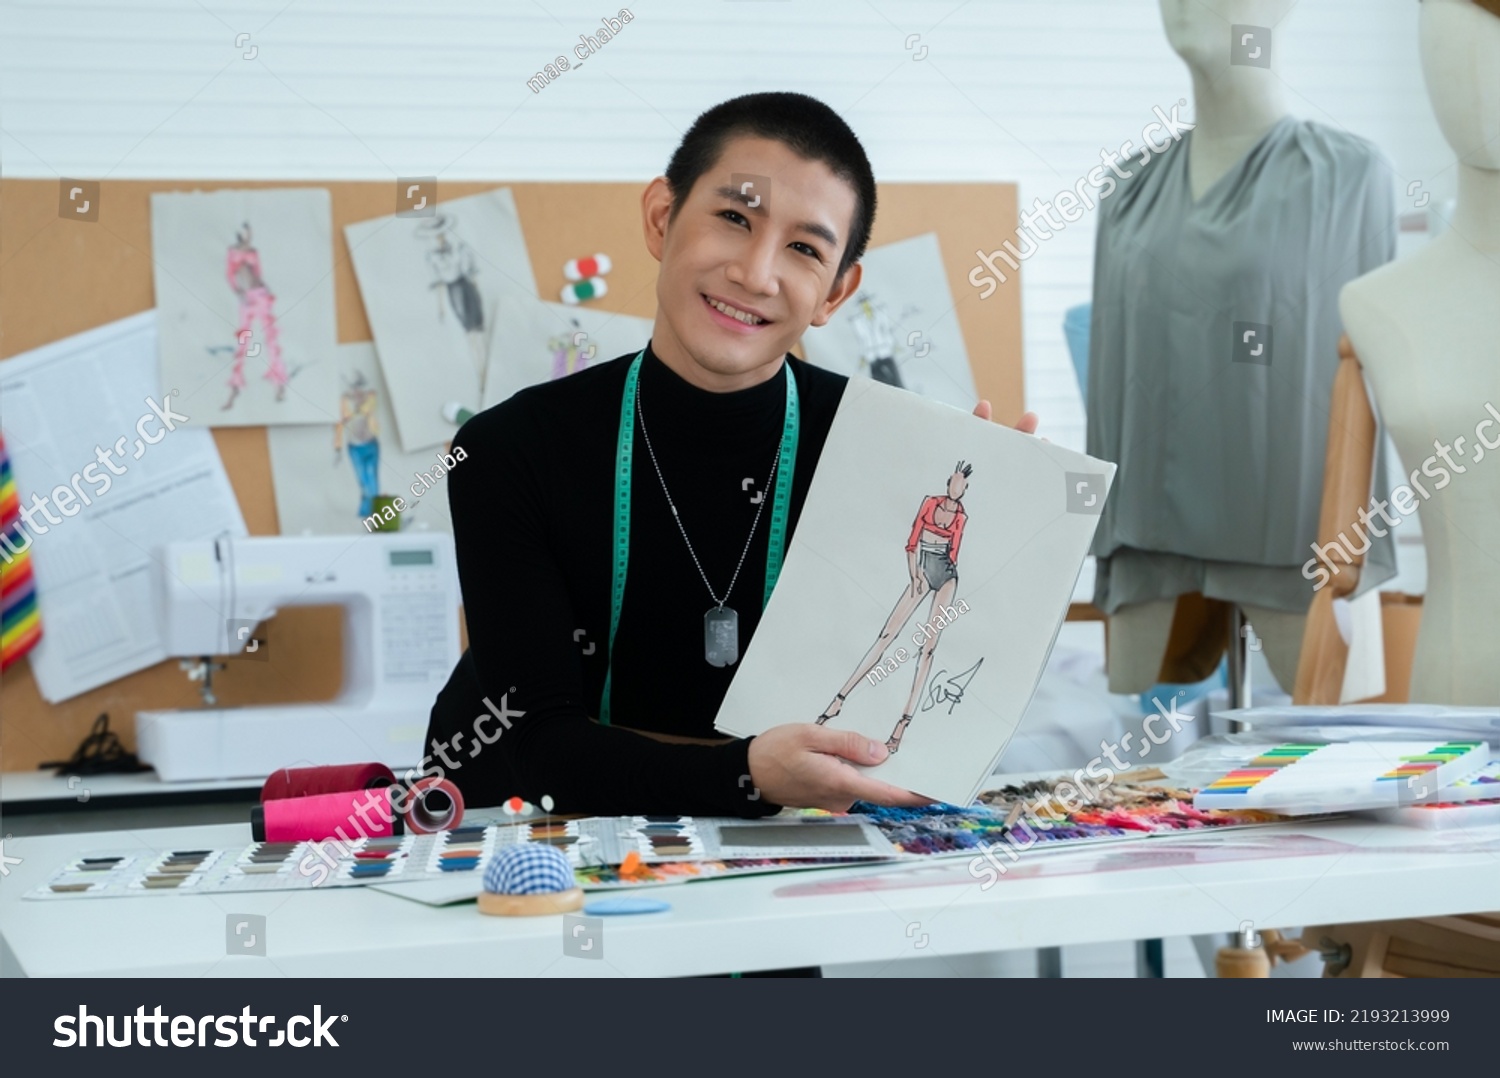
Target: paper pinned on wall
x=244 y=299
x=431 y=286
x=900 y=327
x=536 y=341
x=79 y=416
x=925 y=584
x=328 y=477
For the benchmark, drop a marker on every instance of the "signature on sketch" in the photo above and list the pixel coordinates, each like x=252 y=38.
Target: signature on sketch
x=951 y=691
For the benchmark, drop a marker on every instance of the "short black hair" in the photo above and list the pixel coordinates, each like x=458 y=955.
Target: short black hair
x=804 y=125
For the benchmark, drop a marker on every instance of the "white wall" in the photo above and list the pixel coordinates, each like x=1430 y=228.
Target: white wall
x=1024 y=90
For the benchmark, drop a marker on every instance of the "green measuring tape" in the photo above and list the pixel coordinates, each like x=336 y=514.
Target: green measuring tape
x=781 y=501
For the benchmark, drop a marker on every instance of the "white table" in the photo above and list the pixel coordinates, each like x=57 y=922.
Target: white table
x=751 y=923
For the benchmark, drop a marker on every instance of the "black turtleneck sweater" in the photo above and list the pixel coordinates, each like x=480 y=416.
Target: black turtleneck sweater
x=533 y=516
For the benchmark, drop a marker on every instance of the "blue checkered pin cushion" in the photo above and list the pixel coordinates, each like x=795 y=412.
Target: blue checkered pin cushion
x=528 y=868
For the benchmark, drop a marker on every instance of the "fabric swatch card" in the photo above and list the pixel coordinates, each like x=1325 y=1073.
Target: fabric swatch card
x=923 y=588
x=431 y=285
x=536 y=341
x=244 y=300
x=900 y=327
x=328 y=477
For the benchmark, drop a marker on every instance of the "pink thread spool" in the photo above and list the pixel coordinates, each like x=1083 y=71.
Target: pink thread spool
x=355 y=813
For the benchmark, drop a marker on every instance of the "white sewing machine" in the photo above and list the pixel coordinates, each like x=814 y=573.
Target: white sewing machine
x=401 y=606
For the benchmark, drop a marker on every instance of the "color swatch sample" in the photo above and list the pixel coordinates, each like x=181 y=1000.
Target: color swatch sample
x=1299 y=779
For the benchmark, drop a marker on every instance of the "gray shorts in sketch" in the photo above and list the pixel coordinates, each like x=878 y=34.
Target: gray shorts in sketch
x=935 y=564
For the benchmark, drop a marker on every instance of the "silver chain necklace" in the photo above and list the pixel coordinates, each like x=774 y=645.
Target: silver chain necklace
x=721 y=624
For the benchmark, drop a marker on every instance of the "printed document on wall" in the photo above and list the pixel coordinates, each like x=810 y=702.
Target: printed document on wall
x=92 y=433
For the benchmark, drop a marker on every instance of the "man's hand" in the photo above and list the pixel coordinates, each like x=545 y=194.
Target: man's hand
x=803 y=766
x=1027 y=424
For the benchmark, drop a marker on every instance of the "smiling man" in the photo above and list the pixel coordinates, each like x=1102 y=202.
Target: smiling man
x=617 y=528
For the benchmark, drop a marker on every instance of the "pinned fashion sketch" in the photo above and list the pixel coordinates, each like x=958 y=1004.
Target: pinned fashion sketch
x=453 y=269
x=359 y=428
x=899 y=617
x=256 y=305
x=877 y=335
x=569 y=352
x=432 y=286
x=342 y=476
x=244 y=294
x=932 y=565
x=901 y=327
x=535 y=341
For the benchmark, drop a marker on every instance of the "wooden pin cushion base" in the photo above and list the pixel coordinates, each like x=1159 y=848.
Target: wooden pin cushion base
x=531 y=905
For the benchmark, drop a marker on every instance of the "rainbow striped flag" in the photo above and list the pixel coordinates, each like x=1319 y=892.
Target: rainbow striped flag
x=20 y=620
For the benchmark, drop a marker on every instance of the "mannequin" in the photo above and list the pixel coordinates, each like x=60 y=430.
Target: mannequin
x=1169 y=596
x=1427 y=331
x=1234 y=105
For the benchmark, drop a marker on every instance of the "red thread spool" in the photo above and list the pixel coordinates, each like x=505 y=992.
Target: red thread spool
x=323 y=816
x=308 y=781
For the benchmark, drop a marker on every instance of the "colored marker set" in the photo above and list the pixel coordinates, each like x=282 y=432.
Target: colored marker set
x=1300 y=779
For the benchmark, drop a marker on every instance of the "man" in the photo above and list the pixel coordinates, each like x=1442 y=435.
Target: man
x=759 y=224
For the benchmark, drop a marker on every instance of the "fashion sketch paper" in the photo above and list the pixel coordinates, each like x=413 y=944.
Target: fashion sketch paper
x=535 y=341
x=431 y=287
x=328 y=477
x=923 y=588
x=900 y=327
x=244 y=300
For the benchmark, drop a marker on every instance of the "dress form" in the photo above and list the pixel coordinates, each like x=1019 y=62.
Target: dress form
x=1427 y=332
x=1234 y=106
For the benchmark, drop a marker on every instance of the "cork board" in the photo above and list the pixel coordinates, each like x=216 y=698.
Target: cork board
x=61 y=276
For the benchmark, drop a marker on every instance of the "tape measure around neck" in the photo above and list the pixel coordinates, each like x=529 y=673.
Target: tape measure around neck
x=781 y=500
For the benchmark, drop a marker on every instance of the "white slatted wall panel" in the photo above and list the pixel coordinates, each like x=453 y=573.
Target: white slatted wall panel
x=1023 y=90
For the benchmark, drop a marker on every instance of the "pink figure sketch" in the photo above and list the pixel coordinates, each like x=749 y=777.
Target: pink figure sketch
x=242 y=267
x=932 y=565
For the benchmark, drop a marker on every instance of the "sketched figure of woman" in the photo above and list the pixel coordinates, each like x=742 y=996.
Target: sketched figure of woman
x=359 y=426
x=453 y=271
x=877 y=341
x=242 y=267
x=932 y=562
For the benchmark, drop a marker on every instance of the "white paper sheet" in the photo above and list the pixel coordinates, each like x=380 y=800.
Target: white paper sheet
x=253 y=308
x=900 y=327
x=61 y=404
x=320 y=491
x=1029 y=512
x=535 y=341
x=430 y=287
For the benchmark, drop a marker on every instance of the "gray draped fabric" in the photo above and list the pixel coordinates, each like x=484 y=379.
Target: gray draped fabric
x=1220 y=448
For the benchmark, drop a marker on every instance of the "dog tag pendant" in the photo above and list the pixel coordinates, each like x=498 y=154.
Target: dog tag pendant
x=721 y=636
